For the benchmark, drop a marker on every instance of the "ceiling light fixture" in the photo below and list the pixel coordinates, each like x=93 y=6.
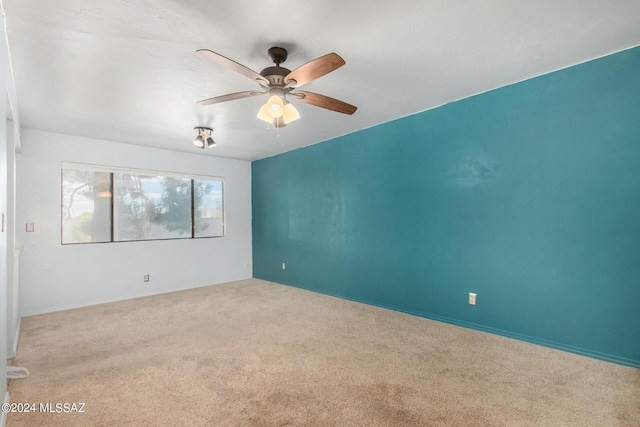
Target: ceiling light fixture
x=277 y=82
x=278 y=111
x=203 y=139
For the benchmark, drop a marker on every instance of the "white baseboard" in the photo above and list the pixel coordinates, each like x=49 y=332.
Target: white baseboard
x=14 y=349
x=29 y=312
x=3 y=415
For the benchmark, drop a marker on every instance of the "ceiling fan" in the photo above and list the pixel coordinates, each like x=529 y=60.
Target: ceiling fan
x=278 y=82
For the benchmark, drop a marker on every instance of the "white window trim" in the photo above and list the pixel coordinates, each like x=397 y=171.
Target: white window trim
x=146 y=172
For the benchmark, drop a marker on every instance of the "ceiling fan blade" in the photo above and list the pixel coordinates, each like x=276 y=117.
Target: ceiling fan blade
x=230 y=97
x=229 y=63
x=314 y=69
x=323 y=101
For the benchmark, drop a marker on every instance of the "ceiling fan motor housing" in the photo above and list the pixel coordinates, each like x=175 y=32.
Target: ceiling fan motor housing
x=275 y=75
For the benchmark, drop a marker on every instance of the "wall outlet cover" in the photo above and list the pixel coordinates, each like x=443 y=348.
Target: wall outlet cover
x=472 y=298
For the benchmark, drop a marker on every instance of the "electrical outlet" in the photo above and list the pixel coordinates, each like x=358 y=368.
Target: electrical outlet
x=284 y=266
x=472 y=298
x=30 y=227
x=146 y=277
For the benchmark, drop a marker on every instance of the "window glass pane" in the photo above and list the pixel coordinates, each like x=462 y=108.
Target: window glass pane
x=173 y=209
x=86 y=206
x=208 y=209
x=151 y=207
x=143 y=206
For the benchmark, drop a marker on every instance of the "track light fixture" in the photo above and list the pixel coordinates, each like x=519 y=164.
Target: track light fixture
x=203 y=139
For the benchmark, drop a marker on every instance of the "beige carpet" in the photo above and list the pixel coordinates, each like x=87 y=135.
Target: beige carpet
x=261 y=354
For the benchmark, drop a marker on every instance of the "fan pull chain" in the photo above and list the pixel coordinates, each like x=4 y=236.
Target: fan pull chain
x=277 y=130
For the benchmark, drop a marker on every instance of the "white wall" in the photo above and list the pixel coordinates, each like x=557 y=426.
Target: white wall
x=9 y=143
x=13 y=253
x=5 y=255
x=55 y=277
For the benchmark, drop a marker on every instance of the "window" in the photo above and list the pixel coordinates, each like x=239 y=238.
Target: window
x=115 y=205
x=86 y=206
x=207 y=198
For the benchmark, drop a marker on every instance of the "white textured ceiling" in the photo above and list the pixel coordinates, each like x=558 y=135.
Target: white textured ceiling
x=127 y=70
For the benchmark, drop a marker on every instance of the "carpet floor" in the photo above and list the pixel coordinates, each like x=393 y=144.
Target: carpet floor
x=256 y=353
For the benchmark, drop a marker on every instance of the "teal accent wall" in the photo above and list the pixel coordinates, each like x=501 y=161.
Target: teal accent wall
x=528 y=195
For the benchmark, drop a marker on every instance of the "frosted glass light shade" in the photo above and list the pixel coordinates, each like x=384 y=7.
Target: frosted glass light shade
x=262 y=114
x=275 y=106
x=290 y=113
